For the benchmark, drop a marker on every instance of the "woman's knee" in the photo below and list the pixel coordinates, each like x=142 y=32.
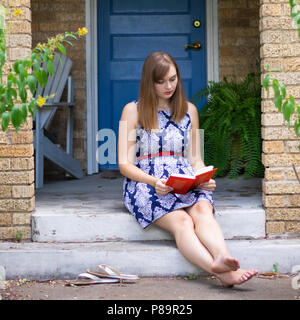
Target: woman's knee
x=184 y=221
x=175 y=221
x=201 y=209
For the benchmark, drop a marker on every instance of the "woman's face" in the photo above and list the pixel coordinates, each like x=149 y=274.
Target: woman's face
x=166 y=87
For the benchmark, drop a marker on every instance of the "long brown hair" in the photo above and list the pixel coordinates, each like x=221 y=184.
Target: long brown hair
x=155 y=68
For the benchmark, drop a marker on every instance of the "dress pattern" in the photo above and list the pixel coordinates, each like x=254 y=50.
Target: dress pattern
x=141 y=199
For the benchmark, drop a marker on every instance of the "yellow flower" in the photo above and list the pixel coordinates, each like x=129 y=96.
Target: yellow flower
x=17 y=12
x=40 y=46
x=82 y=31
x=41 y=101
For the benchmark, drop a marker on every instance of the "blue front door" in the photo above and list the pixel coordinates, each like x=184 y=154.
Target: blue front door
x=129 y=30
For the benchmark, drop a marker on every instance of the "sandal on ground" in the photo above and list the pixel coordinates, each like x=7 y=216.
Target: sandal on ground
x=105 y=271
x=87 y=279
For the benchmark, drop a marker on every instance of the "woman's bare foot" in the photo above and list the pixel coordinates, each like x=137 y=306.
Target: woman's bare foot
x=231 y=278
x=224 y=264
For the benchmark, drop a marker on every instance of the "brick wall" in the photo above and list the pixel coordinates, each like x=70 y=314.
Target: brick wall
x=16 y=149
x=281 y=191
x=50 y=17
x=238 y=37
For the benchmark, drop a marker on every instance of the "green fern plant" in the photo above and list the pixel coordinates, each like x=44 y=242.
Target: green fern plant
x=231 y=120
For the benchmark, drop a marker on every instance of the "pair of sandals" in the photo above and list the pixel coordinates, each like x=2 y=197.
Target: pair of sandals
x=102 y=274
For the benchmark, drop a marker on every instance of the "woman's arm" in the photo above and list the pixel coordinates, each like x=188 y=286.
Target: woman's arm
x=127 y=146
x=127 y=149
x=194 y=148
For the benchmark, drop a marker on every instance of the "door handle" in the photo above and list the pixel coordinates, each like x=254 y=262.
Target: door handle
x=195 y=46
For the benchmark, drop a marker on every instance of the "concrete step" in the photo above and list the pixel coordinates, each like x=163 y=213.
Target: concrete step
x=113 y=223
x=42 y=261
x=91 y=209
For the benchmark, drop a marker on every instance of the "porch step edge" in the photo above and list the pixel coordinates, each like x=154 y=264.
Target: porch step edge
x=40 y=261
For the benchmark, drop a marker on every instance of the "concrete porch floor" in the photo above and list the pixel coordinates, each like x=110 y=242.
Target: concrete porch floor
x=101 y=192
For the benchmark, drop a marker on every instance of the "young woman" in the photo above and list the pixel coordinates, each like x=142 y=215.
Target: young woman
x=158 y=137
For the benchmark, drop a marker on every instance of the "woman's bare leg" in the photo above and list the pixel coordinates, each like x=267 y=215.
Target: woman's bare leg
x=210 y=234
x=208 y=231
x=181 y=225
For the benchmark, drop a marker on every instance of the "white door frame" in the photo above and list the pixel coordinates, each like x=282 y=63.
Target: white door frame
x=91 y=85
x=212 y=51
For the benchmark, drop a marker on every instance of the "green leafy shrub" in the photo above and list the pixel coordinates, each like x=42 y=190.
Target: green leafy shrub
x=231 y=120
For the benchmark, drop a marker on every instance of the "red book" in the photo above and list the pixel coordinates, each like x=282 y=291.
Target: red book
x=182 y=183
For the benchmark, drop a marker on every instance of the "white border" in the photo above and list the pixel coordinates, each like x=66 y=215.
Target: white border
x=91 y=85
x=212 y=54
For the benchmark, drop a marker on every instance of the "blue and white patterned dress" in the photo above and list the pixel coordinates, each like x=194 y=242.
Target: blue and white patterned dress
x=140 y=199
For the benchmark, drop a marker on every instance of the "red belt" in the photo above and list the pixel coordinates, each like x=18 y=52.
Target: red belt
x=161 y=154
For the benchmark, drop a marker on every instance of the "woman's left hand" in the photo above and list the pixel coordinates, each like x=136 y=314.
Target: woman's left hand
x=210 y=185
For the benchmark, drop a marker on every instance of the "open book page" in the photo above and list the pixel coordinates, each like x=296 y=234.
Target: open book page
x=182 y=175
x=204 y=169
x=204 y=176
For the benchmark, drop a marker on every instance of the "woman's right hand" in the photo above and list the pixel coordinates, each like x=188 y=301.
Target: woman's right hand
x=161 y=189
